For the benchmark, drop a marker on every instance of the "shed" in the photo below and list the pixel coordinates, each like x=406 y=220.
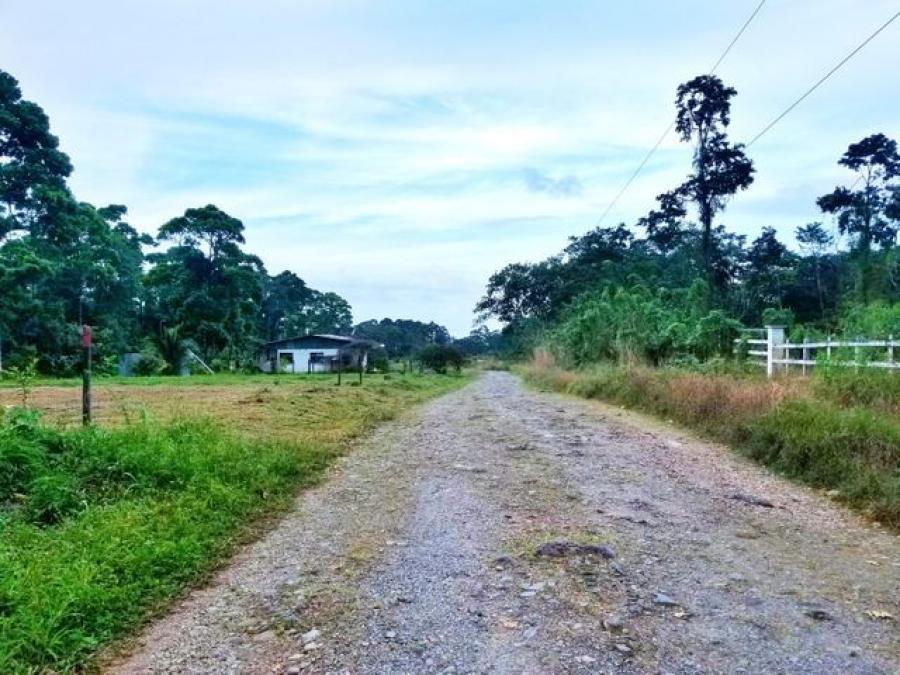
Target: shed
x=315 y=354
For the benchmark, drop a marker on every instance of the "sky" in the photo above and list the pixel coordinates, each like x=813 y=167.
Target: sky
x=400 y=152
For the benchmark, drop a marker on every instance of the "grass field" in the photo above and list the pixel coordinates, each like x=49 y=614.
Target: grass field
x=839 y=430
x=102 y=527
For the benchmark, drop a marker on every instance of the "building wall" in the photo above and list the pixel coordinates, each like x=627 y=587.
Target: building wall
x=301 y=360
x=301 y=349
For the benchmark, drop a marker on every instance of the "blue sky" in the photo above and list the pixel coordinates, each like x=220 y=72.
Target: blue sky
x=400 y=152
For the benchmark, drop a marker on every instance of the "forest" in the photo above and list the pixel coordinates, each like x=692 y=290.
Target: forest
x=679 y=284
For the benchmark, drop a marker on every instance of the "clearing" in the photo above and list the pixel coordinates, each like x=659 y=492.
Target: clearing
x=421 y=554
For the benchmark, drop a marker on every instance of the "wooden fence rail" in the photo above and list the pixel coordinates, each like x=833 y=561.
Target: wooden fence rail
x=775 y=353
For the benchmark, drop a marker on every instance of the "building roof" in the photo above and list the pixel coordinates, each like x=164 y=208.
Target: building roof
x=348 y=340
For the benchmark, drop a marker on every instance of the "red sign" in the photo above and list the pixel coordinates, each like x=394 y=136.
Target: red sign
x=85 y=336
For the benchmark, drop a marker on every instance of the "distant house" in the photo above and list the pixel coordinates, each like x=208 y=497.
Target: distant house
x=315 y=354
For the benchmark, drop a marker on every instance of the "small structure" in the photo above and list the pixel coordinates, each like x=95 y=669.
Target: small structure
x=315 y=354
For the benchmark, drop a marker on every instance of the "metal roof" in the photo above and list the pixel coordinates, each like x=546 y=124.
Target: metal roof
x=347 y=339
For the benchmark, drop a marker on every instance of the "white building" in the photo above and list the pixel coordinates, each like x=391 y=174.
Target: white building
x=315 y=354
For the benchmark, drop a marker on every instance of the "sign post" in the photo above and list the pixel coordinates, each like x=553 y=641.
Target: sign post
x=86 y=376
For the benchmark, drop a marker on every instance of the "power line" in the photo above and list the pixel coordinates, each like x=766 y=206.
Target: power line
x=737 y=37
x=822 y=79
x=671 y=126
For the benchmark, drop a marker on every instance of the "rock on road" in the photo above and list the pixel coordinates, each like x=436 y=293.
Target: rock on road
x=501 y=530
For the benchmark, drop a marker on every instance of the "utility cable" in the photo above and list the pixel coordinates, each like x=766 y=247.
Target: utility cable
x=671 y=126
x=822 y=79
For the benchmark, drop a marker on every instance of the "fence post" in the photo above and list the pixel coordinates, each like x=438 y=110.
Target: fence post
x=774 y=337
x=86 y=344
x=828 y=348
x=891 y=351
x=805 y=353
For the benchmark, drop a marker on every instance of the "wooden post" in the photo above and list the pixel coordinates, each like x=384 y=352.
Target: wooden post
x=891 y=351
x=340 y=358
x=86 y=376
x=774 y=337
x=828 y=348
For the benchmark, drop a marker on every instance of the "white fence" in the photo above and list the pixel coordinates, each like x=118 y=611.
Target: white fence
x=768 y=347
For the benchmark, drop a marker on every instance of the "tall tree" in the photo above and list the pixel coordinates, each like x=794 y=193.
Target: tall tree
x=323 y=312
x=869 y=214
x=815 y=241
x=32 y=167
x=206 y=286
x=720 y=168
x=284 y=295
x=769 y=273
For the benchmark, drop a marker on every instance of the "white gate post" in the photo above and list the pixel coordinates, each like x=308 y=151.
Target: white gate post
x=805 y=353
x=774 y=337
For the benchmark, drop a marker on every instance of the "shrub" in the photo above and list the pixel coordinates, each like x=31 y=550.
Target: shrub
x=867 y=387
x=440 y=358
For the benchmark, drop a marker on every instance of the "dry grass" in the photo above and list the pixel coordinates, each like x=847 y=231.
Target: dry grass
x=295 y=409
x=825 y=433
x=708 y=398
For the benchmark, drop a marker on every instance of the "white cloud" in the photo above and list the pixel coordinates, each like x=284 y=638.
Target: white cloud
x=410 y=130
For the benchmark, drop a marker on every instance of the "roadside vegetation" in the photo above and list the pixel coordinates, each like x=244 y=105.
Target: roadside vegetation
x=839 y=431
x=648 y=315
x=101 y=527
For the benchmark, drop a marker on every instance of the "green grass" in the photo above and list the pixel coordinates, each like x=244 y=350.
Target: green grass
x=200 y=379
x=837 y=432
x=102 y=527
x=870 y=387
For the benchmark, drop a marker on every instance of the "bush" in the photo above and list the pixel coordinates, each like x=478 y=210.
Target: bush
x=652 y=326
x=150 y=362
x=440 y=358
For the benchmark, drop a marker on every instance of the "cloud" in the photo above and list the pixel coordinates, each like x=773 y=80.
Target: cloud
x=538 y=181
x=378 y=148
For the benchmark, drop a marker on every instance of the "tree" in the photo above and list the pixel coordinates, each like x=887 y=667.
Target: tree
x=207 y=226
x=402 y=337
x=32 y=167
x=769 y=273
x=206 y=286
x=440 y=358
x=321 y=313
x=523 y=290
x=815 y=242
x=870 y=215
x=284 y=295
x=720 y=169
x=481 y=341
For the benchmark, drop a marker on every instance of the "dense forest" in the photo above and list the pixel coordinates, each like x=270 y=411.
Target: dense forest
x=64 y=263
x=679 y=285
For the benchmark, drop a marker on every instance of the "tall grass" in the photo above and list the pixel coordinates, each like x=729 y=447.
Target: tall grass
x=837 y=432
x=101 y=526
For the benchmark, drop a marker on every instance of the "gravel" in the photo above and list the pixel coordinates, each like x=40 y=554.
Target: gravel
x=419 y=555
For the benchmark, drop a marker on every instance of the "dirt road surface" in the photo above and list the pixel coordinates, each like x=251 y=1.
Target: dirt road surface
x=500 y=530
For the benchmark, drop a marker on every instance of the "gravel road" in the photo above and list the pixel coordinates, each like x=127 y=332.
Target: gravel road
x=500 y=530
